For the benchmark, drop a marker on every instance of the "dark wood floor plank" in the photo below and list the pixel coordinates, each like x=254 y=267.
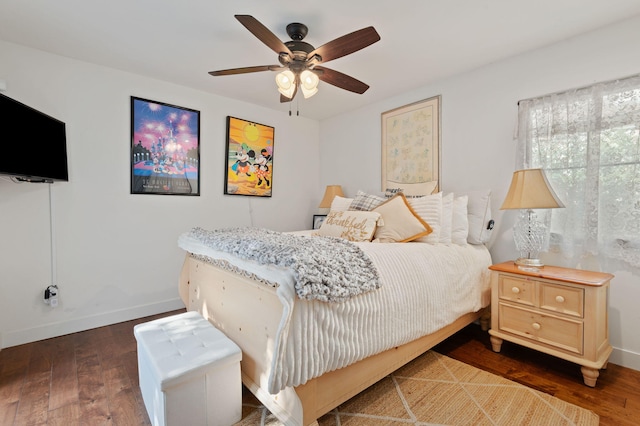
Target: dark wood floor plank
x=126 y=410
x=64 y=379
x=123 y=404
x=92 y=395
x=15 y=358
x=8 y=413
x=11 y=384
x=65 y=416
x=34 y=401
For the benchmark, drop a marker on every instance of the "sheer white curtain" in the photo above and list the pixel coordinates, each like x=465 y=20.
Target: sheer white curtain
x=587 y=140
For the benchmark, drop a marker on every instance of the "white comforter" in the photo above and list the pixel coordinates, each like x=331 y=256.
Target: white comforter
x=424 y=287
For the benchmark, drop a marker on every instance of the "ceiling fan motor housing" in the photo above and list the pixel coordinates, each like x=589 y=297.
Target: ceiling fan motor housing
x=297 y=31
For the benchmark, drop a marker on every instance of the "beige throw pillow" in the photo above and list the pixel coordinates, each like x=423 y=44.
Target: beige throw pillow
x=350 y=225
x=399 y=222
x=341 y=203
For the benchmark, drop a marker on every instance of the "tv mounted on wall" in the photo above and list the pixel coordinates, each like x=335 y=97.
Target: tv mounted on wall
x=34 y=144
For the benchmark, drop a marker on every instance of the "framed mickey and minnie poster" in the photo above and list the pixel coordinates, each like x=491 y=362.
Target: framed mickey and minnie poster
x=249 y=158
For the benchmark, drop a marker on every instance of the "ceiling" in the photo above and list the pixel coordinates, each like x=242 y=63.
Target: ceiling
x=180 y=42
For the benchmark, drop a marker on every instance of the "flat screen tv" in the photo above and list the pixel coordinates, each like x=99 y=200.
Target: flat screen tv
x=34 y=144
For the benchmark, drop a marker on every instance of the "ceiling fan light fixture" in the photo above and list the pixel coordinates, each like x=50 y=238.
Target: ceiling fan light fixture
x=285 y=81
x=309 y=79
x=308 y=93
x=309 y=83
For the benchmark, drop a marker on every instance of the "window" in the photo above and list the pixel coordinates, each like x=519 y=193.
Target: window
x=588 y=142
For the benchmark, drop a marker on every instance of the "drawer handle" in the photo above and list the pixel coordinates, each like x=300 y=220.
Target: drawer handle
x=516 y=290
x=559 y=299
x=536 y=326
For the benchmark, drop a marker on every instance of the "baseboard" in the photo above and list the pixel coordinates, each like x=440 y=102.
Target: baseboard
x=625 y=358
x=47 y=331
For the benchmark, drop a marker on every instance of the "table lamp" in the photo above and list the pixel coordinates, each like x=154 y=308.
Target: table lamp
x=530 y=190
x=329 y=193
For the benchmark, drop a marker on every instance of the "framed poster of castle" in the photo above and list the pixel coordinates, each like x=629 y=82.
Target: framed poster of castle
x=249 y=158
x=165 y=148
x=411 y=148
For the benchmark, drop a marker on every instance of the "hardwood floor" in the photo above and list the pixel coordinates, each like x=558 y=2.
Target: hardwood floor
x=91 y=378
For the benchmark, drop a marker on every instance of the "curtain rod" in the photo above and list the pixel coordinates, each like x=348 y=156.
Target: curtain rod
x=580 y=88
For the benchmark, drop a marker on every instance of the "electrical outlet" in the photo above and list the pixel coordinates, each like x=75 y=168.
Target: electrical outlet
x=51 y=295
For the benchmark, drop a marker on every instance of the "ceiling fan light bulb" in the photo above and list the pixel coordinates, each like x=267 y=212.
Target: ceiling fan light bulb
x=285 y=79
x=309 y=80
x=308 y=93
x=287 y=93
x=285 y=82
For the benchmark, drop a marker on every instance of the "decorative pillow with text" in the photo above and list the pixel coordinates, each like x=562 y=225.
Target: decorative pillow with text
x=350 y=225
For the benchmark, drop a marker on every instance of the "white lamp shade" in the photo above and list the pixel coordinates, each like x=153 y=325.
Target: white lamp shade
x=286 y=83
x=530 y=189
x=309 y=83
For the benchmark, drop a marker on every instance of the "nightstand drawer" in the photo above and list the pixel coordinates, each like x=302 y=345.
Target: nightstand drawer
x=562 y=299
x=517 y=290
x=565 y=334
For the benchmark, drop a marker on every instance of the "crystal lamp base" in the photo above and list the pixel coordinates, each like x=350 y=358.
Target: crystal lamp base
x=529 y=235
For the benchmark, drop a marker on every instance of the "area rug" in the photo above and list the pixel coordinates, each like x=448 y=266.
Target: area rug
x=434 y=389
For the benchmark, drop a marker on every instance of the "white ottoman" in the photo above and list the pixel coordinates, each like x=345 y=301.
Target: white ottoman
x=189 y=372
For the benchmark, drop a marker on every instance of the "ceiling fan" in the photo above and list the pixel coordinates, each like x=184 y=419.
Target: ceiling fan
x=300 y=62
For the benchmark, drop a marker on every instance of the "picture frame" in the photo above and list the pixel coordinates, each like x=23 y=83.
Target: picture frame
x=411 y=148
x=318 y=220
x=165 y=148
x=248 y=158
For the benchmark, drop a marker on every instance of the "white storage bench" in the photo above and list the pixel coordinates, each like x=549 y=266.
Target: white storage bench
x=189 y=372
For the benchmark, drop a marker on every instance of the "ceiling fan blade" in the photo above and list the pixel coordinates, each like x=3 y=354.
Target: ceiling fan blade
x=346 y=44
x=263 y=34
x=246 y=70
x=341 y=80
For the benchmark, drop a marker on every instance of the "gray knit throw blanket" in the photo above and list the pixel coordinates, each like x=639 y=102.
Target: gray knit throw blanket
x=328 y=269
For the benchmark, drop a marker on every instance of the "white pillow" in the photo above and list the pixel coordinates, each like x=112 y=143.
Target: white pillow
x=429 y=208
x=340 y=204
x=447 y=219
x=350 y=225
x=460 y=222
x=399 y=223
x=479 y=215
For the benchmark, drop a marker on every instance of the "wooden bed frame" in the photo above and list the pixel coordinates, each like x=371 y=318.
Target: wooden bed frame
x=249 y=313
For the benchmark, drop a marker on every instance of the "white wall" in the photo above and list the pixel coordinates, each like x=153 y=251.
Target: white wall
x=116 y=253
x=479 y=113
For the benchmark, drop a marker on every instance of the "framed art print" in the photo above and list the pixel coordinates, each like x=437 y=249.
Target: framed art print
x=318 y=220
x=165 y=148
x=249 y=158
x=411 y=148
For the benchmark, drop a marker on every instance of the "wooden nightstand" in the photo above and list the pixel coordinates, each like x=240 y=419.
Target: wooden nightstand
x=558 y=311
